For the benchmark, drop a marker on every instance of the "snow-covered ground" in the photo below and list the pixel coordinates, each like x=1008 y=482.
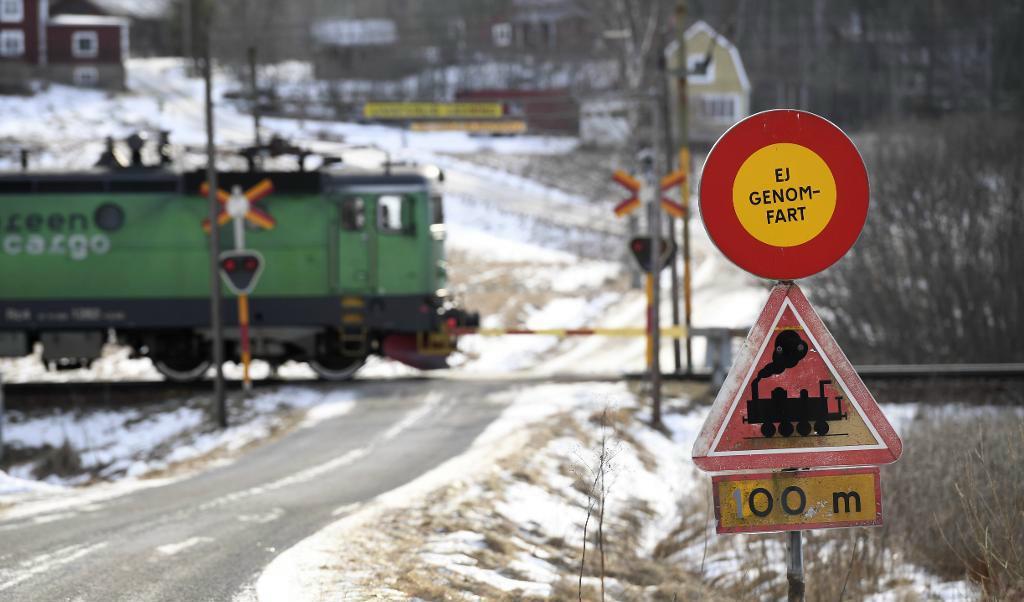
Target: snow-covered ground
x=142 y=440
x=507 y=518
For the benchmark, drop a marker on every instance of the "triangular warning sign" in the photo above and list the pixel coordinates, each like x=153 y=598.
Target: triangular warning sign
x=793 y=400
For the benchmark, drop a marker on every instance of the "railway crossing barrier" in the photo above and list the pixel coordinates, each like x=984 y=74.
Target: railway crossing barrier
x=718 y=355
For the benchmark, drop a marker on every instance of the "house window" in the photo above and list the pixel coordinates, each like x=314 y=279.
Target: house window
x=86 y=76
x=718 y=107
x=548 y=34
x=12 y=42
x=502 y=34
x=85 y=44
x=12 y=11
x=697 y=71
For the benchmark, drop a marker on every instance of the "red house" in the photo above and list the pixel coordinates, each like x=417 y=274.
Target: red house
x=60 y=45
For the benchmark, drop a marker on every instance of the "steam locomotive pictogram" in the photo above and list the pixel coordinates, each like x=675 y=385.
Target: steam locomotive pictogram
x=783 y=413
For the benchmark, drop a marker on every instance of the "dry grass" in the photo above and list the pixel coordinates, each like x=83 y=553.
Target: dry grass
x=509 y=289
x=957 y=499
x=954 y=506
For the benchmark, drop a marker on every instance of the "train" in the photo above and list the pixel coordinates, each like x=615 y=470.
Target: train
x=354 y=266
x=803 y=411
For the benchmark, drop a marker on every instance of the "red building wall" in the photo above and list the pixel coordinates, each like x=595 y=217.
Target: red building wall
x=59 y=43
x=30 y=26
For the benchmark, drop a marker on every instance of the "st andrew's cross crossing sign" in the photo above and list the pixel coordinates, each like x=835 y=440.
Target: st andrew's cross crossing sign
x=784 y=194
x=793 y=400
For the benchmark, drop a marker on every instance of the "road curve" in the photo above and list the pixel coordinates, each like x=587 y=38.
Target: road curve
x=209 y=536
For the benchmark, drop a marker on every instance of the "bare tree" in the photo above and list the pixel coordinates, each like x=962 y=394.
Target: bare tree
x=936 y=273
x=634 y=31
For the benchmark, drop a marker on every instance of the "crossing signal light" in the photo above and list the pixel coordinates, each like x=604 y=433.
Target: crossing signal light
x=240 y=270
x=641 y=249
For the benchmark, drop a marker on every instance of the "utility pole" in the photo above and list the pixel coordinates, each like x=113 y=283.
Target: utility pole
x=682 y=140
x=664 y=102
x=255 y=100
x=217 y=337
x=186 y=34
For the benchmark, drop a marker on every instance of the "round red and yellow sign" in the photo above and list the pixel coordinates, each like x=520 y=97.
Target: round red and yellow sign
x=784 y=194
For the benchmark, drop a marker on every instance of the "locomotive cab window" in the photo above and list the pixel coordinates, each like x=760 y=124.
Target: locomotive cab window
x=394 y=214
x=353 y=215
x=436 y=209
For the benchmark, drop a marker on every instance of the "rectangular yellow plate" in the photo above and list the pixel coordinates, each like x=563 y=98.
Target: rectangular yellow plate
x=793 y=501
x=428 y=110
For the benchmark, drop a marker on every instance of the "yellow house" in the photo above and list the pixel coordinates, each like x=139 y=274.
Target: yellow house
x=718 y=90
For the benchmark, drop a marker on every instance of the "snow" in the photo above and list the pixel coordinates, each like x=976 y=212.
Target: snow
x=127 y=442
x=142 y=9
x=13 y=485
x=297 y=573
x=355 y=32
x=176 y=548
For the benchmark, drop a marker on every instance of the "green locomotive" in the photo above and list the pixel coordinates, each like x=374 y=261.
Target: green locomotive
x=354 y=266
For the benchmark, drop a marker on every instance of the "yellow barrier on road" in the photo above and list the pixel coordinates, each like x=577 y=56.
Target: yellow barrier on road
x=675 y=332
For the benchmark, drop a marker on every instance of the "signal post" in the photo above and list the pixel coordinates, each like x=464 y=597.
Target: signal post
x=653 y=253
x=240 y=269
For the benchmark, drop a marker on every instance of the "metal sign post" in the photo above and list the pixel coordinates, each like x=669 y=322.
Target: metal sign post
x=795 y=567
x=684 y=198
x=784 y=194
x=2 y=416
x=237 y=207
x=649 y=195
x=217 y=354
x=240 y=269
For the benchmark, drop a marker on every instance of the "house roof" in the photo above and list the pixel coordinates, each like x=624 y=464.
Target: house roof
x=85 y=20
x=356 y=32
x=135 y=9
x=734 y=54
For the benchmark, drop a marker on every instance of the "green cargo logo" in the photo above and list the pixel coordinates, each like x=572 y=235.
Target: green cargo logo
x=70 y=234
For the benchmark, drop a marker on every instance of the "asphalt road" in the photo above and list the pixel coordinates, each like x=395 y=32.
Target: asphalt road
x=209 y=536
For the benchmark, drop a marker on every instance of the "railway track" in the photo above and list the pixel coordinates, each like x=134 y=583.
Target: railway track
x=989 y=383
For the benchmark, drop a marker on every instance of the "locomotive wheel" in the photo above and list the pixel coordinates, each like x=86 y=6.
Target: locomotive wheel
x=768 y=429
x=821 y=427
x=183 y=369
x=786 y=429
x=804 y=428
x=336 y=367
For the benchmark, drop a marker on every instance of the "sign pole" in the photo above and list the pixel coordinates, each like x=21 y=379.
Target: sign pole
x=682 y=139
x=649 y=291
x=797 y=400
x=669 y=153
x=2 y=412
x=215 y=318
x=238 y=206
x=795 y=567
x=652 y=189
x=243 y=327
x=684 y=194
